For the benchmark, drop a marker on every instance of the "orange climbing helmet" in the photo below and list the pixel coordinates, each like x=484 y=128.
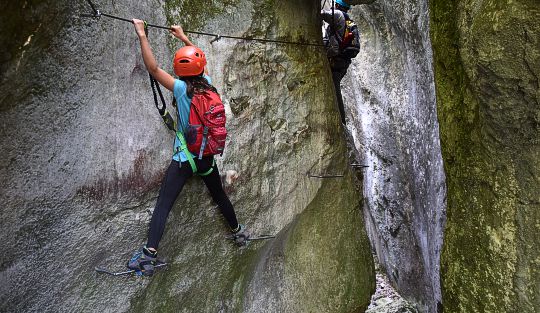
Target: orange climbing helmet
x=189 y=61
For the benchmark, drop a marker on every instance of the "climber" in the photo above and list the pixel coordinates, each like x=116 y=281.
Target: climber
x=189 y=66
x=342 y=43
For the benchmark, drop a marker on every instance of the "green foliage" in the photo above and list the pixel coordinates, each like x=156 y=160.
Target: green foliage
x=194 y=14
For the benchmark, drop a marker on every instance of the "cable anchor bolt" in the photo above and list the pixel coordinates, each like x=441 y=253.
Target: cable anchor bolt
x=218 y=37
x=96 y=15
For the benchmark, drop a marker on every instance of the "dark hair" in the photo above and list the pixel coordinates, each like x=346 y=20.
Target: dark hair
x=197 y=84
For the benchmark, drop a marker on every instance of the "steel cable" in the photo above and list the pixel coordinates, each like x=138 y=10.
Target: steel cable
x=98 y=14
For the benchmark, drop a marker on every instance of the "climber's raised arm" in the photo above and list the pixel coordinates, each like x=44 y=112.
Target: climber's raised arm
x=150 y=62
x=178 y=32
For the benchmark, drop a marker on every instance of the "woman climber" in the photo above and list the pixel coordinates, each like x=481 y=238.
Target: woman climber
x=189 y=66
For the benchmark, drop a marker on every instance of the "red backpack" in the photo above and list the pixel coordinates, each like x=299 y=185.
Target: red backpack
x=206 y=133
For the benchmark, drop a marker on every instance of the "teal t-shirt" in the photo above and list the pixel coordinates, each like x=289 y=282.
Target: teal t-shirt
x=183 y=102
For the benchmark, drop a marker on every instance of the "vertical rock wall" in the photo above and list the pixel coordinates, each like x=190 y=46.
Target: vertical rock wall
x=84 y=151
x=389 y=93
x=487 y=67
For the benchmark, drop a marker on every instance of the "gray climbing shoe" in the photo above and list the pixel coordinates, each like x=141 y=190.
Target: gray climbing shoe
x=143 y=261
x=241 y=237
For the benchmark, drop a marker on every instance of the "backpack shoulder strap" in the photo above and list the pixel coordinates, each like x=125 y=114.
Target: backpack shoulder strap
x=334 y=27
x=199 y=95
x=194 y=107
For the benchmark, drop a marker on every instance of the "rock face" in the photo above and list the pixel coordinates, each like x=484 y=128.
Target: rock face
x=390 y=98
x=84 y=151
x=487 y=67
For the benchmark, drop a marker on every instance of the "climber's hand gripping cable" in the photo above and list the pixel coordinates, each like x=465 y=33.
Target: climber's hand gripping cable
x=164 y=78
x=178 y=32
x=141 y=27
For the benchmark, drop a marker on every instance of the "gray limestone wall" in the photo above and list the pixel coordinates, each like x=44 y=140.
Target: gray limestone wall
x=84 y=152
x=484 y=76
x=389 y=94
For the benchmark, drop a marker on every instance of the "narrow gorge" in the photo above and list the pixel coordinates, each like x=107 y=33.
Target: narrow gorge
x=443 y=114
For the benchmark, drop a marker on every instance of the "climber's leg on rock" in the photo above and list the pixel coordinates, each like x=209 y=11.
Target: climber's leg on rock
x=339 y=68
x=213 y=183
x=174 y=181
x=215 y=187
x=337 y=77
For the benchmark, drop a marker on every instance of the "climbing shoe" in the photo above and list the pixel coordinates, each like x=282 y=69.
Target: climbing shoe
x=143 y=261
x=241 y=235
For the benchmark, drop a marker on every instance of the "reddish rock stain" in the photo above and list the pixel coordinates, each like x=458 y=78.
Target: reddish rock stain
x=136 y=182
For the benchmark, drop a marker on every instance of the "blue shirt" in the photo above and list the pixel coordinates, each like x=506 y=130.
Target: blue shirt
x=183 y=103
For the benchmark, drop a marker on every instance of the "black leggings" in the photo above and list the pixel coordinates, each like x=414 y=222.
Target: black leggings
x=337 y=76
x=172 y=185
x=339 y=68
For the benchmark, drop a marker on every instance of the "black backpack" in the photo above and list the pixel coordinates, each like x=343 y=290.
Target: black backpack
x=349 y=44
